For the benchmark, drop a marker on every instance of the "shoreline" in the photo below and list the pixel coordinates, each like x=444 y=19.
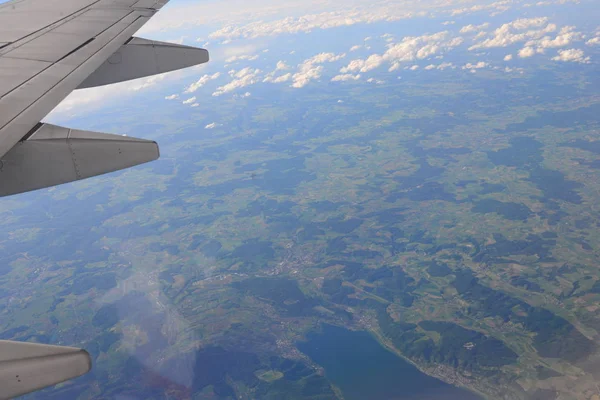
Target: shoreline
x=382 y=341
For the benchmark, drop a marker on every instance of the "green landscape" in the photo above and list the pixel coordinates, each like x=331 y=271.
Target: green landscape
x=454 y=220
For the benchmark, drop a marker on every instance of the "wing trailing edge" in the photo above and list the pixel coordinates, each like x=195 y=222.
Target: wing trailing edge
x=53 y=155
x=26 y=367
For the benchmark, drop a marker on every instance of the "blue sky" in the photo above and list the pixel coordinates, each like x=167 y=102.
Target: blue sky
x=300 y=43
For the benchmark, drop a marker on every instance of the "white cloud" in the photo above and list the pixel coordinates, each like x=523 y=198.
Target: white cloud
x=307 y=74
x=201 y=82
x=526 y=52
x=409 y=49
x=242 y=78
x=245 y=57
x=311 y=69
x=354 y=48
x=441 y=66
x=572 y=55
x=508 y=57
x=325 y=57
x=281 y=66
x=172 y=97
x=282 y=78
x=375 y=81
x=448 y=23
x=345 y=77
x=593 y=41
x=474 y=28
x=340 y=101
x=148 y=82
x=517 y=31
x=414 y=68
x=191 y=100
x=212 y=125
x=565 y=37
x=479 y=65
x=195 y=105
x=509 y=70
x=480 y=35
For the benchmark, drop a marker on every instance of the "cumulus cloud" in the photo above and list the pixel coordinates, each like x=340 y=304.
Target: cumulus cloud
x=594 y=41
x=408 y=50
x=282 y=78
x=204 y=79
x=508 y=57
x=388 y=37
x=172 y=97
x=345 y=77
x=242 y=78
x=565 y=37
x=572 y=55
x=440 y=67
x=312 y=69
x=354 y=48
x=479 y=65
x=195 y=105
x=191 y=100
x=148 y=82
x=245 y=57
x=448 y=23
x=375 y=81
x=281 y=66
x=212 y=125
x=517 y=31
x=527 y=52
x=509 y=70
x=474 y=28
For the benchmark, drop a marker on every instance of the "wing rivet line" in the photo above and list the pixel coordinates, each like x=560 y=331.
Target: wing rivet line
x=73 y=156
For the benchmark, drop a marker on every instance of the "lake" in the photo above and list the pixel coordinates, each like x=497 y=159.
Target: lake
x=363 y=369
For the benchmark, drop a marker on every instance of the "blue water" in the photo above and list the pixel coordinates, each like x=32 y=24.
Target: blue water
x=364 y=370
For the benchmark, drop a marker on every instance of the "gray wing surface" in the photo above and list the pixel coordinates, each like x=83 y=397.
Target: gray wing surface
x=25 y=367
x=48 y=48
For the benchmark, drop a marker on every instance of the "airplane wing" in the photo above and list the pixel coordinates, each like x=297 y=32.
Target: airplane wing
x=25 y=367
x=48 y=48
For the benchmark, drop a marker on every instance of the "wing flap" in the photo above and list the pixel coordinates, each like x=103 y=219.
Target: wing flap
x=25 y=367
x=54 y=155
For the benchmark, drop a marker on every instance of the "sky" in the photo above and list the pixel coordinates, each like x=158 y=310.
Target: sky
x=298 y=43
